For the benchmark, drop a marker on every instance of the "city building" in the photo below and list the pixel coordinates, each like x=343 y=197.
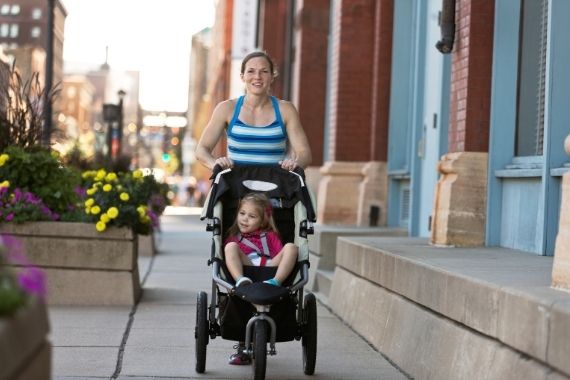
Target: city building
x=23 y=23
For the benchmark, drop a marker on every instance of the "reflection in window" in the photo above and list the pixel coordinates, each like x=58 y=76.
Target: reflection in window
x=531 y=78
x=36 y=32
x=15 y=9
x=4 y=29
x=5 y=9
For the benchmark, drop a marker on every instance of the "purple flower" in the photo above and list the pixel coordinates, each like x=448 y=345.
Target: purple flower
x=9 y=217
x=80 y=191
x=32 y=280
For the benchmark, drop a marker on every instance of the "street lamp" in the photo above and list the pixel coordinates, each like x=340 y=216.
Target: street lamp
x=113 y=113
x=121 y=95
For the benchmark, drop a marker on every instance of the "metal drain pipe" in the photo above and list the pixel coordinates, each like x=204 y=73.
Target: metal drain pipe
x=447 y=25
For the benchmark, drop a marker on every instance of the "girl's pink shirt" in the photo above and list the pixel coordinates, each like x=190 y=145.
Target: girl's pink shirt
x=273 y=242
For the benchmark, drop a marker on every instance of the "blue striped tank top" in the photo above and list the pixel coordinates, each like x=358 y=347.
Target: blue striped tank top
x=249 y=145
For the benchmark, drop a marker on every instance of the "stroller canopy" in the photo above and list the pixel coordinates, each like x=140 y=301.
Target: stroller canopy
x=278 y=184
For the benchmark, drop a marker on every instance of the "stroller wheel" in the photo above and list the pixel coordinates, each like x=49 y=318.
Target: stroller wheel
x=201 y=331
x=259 y=349
x=309 y=339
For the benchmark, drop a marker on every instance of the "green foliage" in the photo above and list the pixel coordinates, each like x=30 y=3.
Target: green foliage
x=39 y=172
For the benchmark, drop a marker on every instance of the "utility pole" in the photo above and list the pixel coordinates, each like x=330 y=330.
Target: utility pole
x=49 y=75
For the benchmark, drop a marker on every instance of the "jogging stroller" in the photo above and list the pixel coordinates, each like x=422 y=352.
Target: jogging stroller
x=259 y=313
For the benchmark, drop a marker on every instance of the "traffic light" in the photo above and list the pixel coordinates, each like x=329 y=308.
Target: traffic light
x=165 y=157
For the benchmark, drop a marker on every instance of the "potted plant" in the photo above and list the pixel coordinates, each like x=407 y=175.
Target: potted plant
x=24 y=348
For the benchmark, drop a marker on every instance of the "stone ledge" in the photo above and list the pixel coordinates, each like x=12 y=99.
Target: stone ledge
x=501 y=293
x=424 y=344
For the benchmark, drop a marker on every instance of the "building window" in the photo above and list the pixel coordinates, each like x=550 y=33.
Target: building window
x=36 y=13
x=5 y=9
x=4 y=29
x=36 y=32
x=14 y=29
x=532 y=76
x=15 y=9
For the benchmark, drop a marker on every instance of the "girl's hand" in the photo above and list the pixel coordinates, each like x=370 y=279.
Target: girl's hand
x=224 y=162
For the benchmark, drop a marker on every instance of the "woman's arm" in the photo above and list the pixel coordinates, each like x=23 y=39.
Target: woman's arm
x=299 y=150
x=212 y=134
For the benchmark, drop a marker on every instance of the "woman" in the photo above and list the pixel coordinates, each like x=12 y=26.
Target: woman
x=261 y=129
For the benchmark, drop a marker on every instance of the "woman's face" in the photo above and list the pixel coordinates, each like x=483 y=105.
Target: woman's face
x=257 y=76
x=248 y=218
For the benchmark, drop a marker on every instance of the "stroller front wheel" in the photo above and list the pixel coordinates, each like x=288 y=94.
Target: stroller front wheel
x=309 y=339
x=259 y=349
x=201 y=331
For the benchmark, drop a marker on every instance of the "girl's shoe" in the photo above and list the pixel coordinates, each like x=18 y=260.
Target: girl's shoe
x=240 y=357
x=243 y=281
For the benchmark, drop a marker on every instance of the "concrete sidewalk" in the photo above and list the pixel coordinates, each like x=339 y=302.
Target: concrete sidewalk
x=155 y=338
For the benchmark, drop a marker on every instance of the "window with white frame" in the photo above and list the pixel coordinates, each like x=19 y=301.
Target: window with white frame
x=35 y=32
x=36 y=13
x=14 y=29
x=4 y=30
x=532 y=69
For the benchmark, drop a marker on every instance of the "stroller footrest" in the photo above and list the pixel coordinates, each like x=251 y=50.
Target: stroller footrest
x=260 y=293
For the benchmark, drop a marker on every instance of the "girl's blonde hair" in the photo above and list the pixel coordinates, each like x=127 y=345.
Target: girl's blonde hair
x=263 y=208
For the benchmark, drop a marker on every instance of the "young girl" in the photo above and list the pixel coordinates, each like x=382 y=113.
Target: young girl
x=253 y=240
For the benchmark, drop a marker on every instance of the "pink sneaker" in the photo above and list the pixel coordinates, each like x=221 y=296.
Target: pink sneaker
x=240 y=357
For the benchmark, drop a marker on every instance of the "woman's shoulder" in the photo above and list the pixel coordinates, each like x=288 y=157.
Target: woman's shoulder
x=227 y=105
x=286 y=106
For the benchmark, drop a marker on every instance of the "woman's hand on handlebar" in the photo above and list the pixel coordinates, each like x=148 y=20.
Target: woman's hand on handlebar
x=288 y=163
x=224 y=162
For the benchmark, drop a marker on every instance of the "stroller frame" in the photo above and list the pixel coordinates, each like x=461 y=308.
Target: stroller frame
x=260 y=323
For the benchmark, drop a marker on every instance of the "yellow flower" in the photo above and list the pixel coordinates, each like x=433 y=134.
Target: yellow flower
x=124 y=197
x=86 y=175
x=105 y=218
x=113 y=212
x=3 y=158
x=90 y=202
x=145 y=219
x=4 y=184
x=95 y=210
x=100 y=226
x=107 y=187
x=91 y=191
x=111 y=177
x=88 y=210
x=141 y=210
x=101 y=173
x=137 y=174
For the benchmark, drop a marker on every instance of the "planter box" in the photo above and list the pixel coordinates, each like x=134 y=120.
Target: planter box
x=147 y=245
x=24 y=348
x=83 y=266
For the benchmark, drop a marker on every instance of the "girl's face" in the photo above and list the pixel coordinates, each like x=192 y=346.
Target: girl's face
x=248 y=219
x=257 y=75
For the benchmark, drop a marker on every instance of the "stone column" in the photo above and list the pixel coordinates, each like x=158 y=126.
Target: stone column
x=373 y=193
x=561 y=265
x=339 y=195
x=460 y=200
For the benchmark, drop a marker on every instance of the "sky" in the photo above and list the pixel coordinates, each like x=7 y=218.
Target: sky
x=150 y=36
